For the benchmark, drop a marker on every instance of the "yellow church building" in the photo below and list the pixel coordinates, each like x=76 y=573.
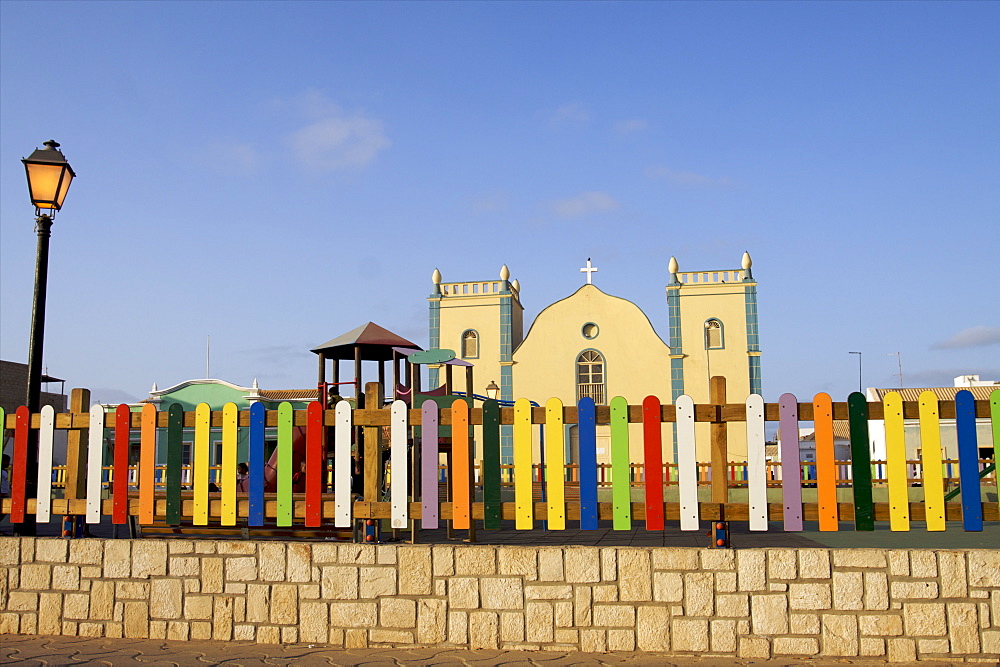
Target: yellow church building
x=595 y=344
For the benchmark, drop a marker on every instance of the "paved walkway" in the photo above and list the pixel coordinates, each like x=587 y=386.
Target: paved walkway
x=42 y=650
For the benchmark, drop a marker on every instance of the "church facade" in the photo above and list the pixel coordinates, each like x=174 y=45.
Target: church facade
x=599 y=345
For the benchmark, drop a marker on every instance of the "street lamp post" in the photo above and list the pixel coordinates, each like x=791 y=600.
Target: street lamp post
x=49 y=177
x=492 y=390
x=860 y=384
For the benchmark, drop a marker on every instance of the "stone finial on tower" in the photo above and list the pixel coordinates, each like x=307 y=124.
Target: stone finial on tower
x=747 y=263
x=504 y=273
x=436 y=279
x=673 y=267
x=153 y=390
x=516 y=285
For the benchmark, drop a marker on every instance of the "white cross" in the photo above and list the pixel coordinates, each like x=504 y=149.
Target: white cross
x=589 y=270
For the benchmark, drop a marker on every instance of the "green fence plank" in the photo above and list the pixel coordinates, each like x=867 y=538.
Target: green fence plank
x=175 y=451
x=861 y=462
x=285 y=464
x=491 y=466
x=621 y=494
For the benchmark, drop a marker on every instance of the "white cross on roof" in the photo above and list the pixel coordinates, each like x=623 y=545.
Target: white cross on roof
x=589 y=270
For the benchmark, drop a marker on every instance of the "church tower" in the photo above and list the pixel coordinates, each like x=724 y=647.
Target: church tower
x=712 y=319
x=482 y=322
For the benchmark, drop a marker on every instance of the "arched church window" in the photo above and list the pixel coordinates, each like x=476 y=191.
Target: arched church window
x=713 y=335
x=470 y=345
x=590 y=376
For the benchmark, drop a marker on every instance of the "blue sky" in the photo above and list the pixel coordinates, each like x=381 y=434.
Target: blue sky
x=275 y=174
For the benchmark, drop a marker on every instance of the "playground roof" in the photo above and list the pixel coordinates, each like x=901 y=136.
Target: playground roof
x=376 y=344
x=979 y=392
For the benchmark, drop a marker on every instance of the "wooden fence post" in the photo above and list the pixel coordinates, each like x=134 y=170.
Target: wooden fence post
x=372 y=438
x=76 y=447
x=718 y=428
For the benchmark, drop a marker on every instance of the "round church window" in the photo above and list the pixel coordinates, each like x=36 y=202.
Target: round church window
x=590 y=331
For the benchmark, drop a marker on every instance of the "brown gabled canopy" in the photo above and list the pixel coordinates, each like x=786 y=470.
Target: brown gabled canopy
x=376 y=344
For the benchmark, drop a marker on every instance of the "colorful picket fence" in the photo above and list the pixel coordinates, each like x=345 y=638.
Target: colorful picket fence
x=153 y=500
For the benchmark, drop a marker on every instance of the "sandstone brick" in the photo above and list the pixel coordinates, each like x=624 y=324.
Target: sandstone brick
x=675 y=558
x=732 y=606
x=102 y=600
x=165 y=598
x=458 y=627
x=377 y=581
x=539 y=621
x=876 y=590
x=583 y=564
x=51 y=550
x=924 y=619
x=76 y=606
x=230 y=547
x=184 y=566
x=284 y=604
x=211 y=575
x=353 y=614
x=289 y=634
x=668 y=586
x=357 y=554
x=839 y=634
x=923 y=564
x=258 y=603
x=222 y=618
x=809 y=596
x=605 y=593
x=881 y=625
x=750 y=572
x=149 y=558
x=241 y=589
x=605 y=615
x=814 y=564
x=984 y=567
x=781 y=564
x=314 y=623
x=521 y=561
x=36 y=576
x=397 y=613
x=594 y=641
x=769 y=614
x=198 y=607
x=963 y=627
x=132 y=590
x=484 y=630
x=871 y=646
x=91 y=630
x=951 y=565
x=609 y=564
x=634 y=575
x=49 y=612
x=867 y=558
x=324 y=553
x=699 y=594
x=550 y=564
x=178 y=630
x=572 y=637
x=582 y=605
x=939 y=646
x=136 y=622
x=652 y=628
x=270 y=635
x=511 y=626
x=803 y=624
x=415 y=570
x=339 y=582
x=718 y=559
x=241 y=569
x=899 y=562
x=563 y=613
x=991 y=642
x=86 y=552
x=795 y=646
x=725 y=582
x=848 y=590
x=913 y=590
x=245 y=633
x=431 y=617
x=723 y=635
x=29 y=624
x=355 y=639
x=689 y=634
x=621 y=639
x=272 y=561
x=299 y=567
x=463 y=593
x=180 y=546
x=10 y=553
x=383 y=636
x=444 y=560
x=476 y=561
x=503 y=593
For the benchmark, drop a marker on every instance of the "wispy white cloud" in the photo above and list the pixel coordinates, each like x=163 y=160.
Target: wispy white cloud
x=572 y=115
x=241 y=158
x=686 y=179
x=980 y=336
x=335 y=138
x=631 y=126
x=584 y=204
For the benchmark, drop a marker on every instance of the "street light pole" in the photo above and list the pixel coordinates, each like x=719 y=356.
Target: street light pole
x=860 y=384
x=49 y=177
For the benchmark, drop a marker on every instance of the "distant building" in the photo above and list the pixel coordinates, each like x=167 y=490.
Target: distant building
x=13 y=394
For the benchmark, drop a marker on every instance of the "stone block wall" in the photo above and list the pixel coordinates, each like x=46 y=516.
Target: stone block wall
x=896 y=605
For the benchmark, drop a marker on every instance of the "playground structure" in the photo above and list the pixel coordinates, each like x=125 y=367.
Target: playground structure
x=484 y=491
